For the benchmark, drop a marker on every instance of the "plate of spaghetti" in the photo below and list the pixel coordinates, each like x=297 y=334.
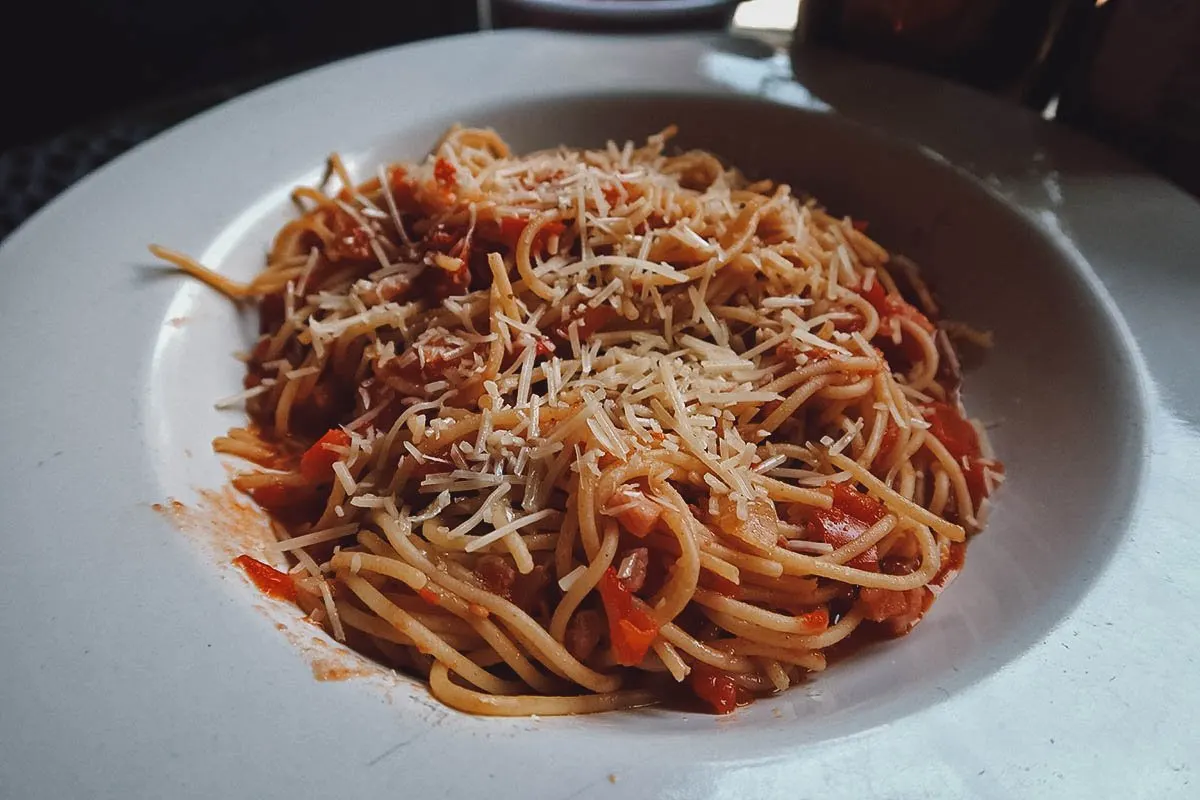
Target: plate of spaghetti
x=617 y=419
x=590 y=416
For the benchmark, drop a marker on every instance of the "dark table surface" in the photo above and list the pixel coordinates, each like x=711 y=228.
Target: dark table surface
x=117 y=72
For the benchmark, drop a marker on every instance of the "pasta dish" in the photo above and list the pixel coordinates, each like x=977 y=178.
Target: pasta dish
x=575 y=431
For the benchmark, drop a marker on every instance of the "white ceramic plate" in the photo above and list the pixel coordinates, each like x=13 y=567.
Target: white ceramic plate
x=139 y=663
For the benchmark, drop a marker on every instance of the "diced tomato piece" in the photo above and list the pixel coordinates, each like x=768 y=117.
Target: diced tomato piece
x=398 y=178
x=716 y=688
x=637 y=633
x=316 y=464
x=949 y=427
x=510 y=229
x=899 y=307
x=838 y=528
x=857 y=504
x=876 y=296
x=892 y=306
x=269 y=580
x=279 y=495
x=631 y=629
x=816 y=620
x=445 y=174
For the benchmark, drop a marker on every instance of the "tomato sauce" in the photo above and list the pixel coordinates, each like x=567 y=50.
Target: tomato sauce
x=269 y=580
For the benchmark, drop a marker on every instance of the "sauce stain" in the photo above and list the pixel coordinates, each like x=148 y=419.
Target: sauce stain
x=230 y=527
x=222 y=521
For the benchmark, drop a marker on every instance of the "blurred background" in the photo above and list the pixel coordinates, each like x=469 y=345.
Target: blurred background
x=87 y=79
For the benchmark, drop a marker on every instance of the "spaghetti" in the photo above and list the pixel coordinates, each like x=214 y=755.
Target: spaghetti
x=562 y=431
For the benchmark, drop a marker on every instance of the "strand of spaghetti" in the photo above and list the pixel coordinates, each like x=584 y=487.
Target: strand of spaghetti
x=283 y=410
x=822 y=367
x=424 y=638
x=811 y=660
x=391 y=567
x=756 y=683
x=681 y=583
x=585 y=511
x=504 y=289
x=565 y=544
x=778 y=490
x=798 y=564
x=870 y=321
x=588 y=580
x=747 y=629
x=775 y=673
x=708 y=561
x=782 y=598
x=338 y=168
x=671 y=659
x=226 y=286
x=485 y=628
x=908 y=481
x=879 y=422
x=849 y=391
x=744 y=562
x=929 y=354
x=379 y=630
x=336 y=501
x=941 y=491
x=501 y=644
x=793 y=402
x=258 y=454
x=783 y=623
x=966 y=511
x=901 y=506
x=431 y=616
x=524 y=248
x=704 y=653
x=273 y=282
x=744 y=227
x=315 y=195
x=862 y=543
x=472 y=702
x=386 y=451
x=551 y=653
x=507 y=531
